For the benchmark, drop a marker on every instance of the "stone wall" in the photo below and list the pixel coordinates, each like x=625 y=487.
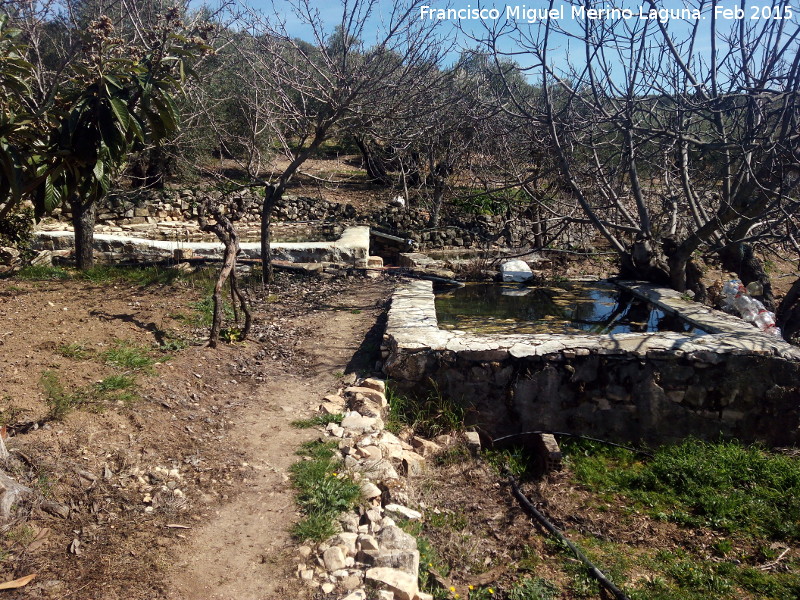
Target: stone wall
x=351 y=246
x=655 y=388
x=458 y=229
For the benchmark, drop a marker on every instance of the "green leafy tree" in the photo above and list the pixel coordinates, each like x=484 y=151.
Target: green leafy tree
x=112 y=101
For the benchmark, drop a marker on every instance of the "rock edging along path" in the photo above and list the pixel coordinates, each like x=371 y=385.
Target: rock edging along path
x=371 y=557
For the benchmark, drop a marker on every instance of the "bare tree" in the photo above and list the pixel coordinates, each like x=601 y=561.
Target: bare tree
x=669 y=150
x=223 y=215
x=311 y=90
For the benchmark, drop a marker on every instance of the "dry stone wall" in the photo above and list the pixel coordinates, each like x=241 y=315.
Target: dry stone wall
x=457 y=230
x=655 y=388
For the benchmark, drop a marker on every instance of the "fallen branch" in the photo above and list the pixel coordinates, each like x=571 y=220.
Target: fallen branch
x=771 y=565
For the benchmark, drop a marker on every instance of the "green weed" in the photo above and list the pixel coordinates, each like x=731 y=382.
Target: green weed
x=60 y=402
x=429 y=560
x=204 y=312
x=725 y=485
x=533 y=588
x=452 y=455
x=172 y=342
x=115 y=383
x=144 y=276
x=429 y=415
x=322 y=492
x=75 y=351
x=127 y=355
x=517 y=461
x=42 y=273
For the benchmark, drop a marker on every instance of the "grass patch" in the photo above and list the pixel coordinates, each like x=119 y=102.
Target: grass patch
x=117 y=388
x=75 y=351
x=115 y=383
x=127 y=355
x=204 y=312
x=429 y=560
x=533 y=588
x=427 y=415
x=60 y=402
x=318 y=420
x=725 y=485
x=42 y=273
x=516 y=460
x=322 y=491
x=682 y=576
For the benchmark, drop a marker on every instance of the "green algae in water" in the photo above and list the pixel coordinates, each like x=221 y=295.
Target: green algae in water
x=564 y=308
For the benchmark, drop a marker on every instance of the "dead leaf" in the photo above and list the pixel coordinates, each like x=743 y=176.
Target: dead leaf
x=39 y=541
x=17 y=583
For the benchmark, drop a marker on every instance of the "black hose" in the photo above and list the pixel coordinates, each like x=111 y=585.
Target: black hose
x=574 y=435
x=593 y=570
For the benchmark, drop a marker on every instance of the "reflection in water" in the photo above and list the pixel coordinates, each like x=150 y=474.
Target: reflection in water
x=599 y=308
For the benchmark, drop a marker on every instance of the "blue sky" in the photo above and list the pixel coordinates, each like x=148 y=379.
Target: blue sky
x=330 y=12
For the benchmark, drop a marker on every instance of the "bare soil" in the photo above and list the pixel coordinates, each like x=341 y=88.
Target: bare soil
x=182 y=493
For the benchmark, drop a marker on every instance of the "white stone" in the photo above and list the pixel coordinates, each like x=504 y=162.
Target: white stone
x=404 y=585
x=379 y=385
x=356 y=595
x=398 y=510
x=371 y=393
x=334 y=558
x=327 y=588
x=367 y=542
x=413 y=464
x=425 y=447
x=473 y=440
x=354 y=422
x=371 y=453
x=369 y=490
x=347 y=541
x=516 y=270
x=385 y=595
x=329 y=408
x=394 y=538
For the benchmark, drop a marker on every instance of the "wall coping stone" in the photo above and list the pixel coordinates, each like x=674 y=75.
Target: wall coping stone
x=413 y=326
x=352 y=244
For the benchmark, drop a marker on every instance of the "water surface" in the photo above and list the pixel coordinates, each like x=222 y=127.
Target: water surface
x=563 y=308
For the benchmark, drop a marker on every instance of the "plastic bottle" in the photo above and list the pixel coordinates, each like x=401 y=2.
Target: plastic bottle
x=764 y=320
x=742 y=302
x=729 y=291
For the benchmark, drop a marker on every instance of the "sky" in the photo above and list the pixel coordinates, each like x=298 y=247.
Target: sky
x=516 y=12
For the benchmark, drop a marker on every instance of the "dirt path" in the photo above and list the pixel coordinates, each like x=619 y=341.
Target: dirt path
x=245 y=551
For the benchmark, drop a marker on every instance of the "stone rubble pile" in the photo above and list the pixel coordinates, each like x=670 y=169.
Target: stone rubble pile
x=371 y=552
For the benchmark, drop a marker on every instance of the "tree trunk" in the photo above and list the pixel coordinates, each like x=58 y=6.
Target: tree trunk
x=438 y=197
x=373 y=163
x=788 y=318
x=740 y=258
x=272 y=195
x=83 y=217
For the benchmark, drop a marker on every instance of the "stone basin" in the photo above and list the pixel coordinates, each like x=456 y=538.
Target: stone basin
x=637 y=387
